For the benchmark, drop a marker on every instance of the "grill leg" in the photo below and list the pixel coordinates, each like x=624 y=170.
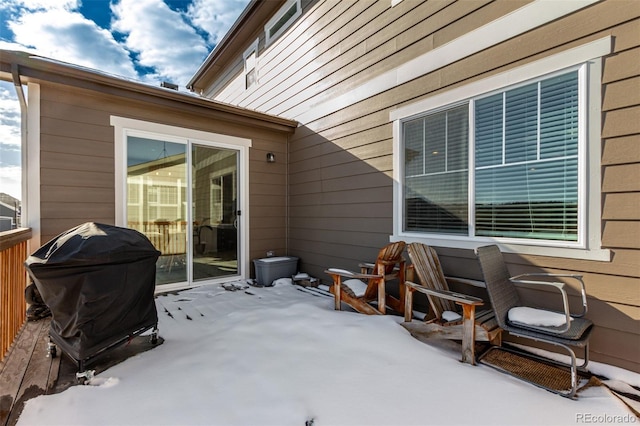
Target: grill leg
x=154 y=336
x=52 y=350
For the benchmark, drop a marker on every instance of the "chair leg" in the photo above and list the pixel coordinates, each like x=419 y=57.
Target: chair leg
x=574 y=372
x=468 y=334
x=495 y=337
x=586 y=357
x=575 y=368
x=382 y=303
x=571 y=393
x=408 y=303
x=337 y=285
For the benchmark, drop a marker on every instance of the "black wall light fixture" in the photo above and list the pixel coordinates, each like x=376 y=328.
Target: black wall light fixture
x=271 y=157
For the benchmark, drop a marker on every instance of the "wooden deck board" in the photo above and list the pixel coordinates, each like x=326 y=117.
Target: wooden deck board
x=25 y=371
x=36 y=377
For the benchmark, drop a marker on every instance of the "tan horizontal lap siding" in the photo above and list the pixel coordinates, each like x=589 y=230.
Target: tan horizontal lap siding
x=613 y=286
x=267 y=200
x=615 y=305
x=360 y=40
x=286 y=55
x=342 y=40
x=73 y=169
x=340 y=169
x=293 y=55
x=77 y=161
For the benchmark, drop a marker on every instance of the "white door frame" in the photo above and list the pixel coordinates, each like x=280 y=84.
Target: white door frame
x=124 y=127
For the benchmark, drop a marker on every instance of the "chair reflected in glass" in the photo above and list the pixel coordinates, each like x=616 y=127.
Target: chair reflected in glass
x=171 y=240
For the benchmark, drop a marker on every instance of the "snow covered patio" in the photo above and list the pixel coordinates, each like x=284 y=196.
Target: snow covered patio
x=283 y=356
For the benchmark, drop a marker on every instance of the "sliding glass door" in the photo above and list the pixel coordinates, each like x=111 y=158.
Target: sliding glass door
x=215 y=212
x=183 y=197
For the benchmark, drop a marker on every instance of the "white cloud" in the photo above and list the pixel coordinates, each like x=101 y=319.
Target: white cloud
x=11 y=183
x=161 y=37
x=68 y=36
x=10 y=174
x=46 y=4
x=168 y=44
x=215 y=16
x=9 y=115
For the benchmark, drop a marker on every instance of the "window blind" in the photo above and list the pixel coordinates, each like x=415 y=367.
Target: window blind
x=526 y=177
x=436 y=172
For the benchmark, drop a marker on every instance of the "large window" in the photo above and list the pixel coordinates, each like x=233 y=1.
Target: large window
x=503 y=164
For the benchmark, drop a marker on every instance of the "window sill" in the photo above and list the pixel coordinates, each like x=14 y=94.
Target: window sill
x=600 y=255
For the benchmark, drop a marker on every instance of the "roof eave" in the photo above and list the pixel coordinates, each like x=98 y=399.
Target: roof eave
x=36 y=68
x=238 y=35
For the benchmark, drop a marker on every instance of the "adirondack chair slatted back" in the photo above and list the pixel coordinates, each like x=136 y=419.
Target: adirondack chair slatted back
x=389 y=257
x=427 y=265
x=502 y=293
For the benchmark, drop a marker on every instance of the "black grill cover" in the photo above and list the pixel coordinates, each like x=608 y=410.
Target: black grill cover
x=98 y=280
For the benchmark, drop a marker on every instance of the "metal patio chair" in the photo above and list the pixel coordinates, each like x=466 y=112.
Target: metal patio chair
x=504 y=298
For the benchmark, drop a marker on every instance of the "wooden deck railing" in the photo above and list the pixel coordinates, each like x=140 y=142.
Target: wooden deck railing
x=13 y=280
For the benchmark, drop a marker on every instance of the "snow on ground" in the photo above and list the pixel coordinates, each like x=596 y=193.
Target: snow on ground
x=282 y=356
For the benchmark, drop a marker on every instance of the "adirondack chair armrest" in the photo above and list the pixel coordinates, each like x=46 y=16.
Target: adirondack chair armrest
x=350 y=274
x=468 y=303
x=392 y=262
x=366 y=266
x=466 y=281
x=462 y=299
x=543 y=280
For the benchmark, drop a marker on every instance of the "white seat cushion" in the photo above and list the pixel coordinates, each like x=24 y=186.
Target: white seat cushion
x=536 y=317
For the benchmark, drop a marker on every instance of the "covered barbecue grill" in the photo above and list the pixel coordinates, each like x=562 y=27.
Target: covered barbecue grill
x=98 y=280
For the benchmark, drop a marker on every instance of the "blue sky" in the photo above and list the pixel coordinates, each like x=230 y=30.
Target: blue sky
x=145 y=40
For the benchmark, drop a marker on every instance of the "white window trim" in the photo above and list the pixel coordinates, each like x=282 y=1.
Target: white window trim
x=588 y=54
x=245 y=55
x=124 y=127
x=269 y=39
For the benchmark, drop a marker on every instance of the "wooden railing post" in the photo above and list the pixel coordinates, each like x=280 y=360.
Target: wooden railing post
x=13 y=281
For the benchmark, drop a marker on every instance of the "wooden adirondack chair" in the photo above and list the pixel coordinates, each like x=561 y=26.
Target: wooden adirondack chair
x=348 y=286
x=469 y=326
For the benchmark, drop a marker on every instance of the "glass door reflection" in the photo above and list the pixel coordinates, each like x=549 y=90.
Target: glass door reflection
x=214 y=195
x=157 y=202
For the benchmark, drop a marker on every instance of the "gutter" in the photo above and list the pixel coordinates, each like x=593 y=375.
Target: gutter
x=15 y=74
